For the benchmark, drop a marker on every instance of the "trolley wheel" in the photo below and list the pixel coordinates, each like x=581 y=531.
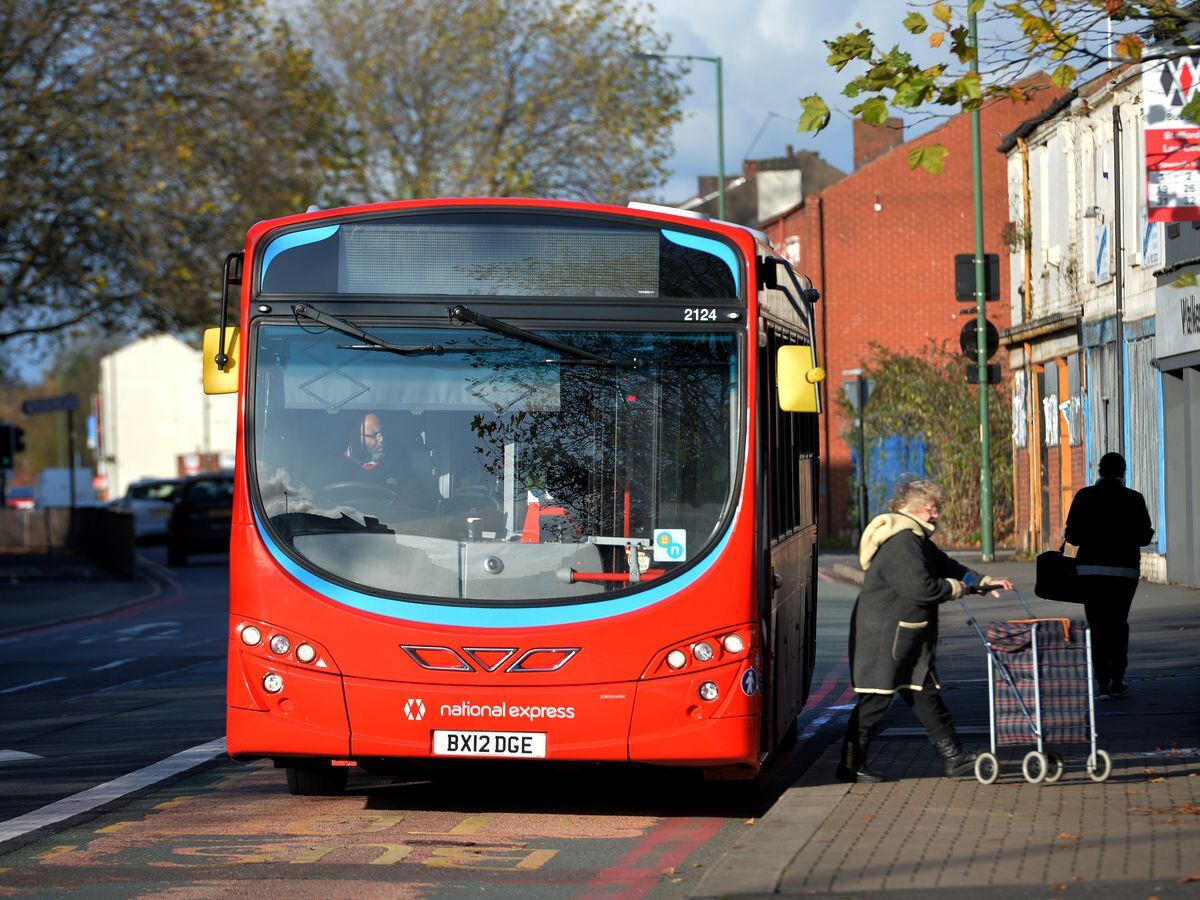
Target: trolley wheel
x=987 y=767
x=1057 y=767
x=1099 y=765
x=1035 y=767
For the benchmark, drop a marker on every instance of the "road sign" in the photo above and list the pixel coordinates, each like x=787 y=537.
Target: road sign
x=964 y=277
x=66 y=402
x=993 y=373
x=968 y=339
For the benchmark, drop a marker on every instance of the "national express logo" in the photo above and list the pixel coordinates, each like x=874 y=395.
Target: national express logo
x=468 y=710
x=1179 y=80
x=414 y=710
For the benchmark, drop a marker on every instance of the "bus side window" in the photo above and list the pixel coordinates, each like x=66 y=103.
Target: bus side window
x=792 y=445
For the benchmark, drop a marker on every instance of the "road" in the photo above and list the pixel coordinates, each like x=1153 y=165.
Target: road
x=93 y=700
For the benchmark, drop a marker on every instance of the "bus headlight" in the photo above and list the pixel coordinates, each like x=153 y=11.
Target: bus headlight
x=305 y=653
x=733 y=643
x=703 y=651
x=708 y=690
x=280 y=644
x=273 y=683
x=676 y=659
x=251 y=636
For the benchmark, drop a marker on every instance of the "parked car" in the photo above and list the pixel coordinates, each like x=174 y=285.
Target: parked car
x=151 y=501
x=200 y=519
x=53 y=488
x=19 y=497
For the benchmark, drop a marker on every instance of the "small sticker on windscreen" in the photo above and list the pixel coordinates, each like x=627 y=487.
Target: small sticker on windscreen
x=670 y=544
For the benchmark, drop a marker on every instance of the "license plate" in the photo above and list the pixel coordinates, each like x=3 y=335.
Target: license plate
x=489 y=743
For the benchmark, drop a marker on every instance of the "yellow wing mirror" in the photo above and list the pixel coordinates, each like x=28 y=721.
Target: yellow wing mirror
x=797 y=376
x=221 y=379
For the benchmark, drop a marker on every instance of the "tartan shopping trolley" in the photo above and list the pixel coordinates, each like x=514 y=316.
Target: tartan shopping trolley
x=1040 y=691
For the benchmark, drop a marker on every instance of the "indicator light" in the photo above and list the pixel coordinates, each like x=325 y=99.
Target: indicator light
x=273 y=683
x=251 y=635
x=703 y=651
x=280 y=644
x=733 y=644
x=676 y=659
x=305 y=653
x=708 y=691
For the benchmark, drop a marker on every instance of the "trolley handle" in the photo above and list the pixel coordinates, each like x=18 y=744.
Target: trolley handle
x=987 y=589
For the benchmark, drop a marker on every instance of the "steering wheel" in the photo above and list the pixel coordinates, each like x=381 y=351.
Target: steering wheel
x=349 y=491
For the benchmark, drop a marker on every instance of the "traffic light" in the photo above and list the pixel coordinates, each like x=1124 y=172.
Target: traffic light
x=12 y=442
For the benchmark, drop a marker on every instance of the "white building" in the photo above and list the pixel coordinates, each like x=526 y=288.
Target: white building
x=153 y=410
x=1082 y=340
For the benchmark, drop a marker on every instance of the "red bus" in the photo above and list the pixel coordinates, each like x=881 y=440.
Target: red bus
x=517 y=479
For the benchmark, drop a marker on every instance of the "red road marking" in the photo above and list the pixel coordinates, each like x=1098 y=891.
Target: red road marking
x=640 y=870
x=830 y=682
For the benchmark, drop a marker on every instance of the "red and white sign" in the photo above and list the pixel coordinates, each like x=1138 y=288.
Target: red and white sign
x=1172 y=142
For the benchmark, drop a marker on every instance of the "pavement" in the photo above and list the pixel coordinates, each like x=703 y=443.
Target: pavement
x=41 y=590
x=922 y=834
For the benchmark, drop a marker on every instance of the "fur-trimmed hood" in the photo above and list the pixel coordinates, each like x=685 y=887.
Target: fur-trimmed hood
x=887 y=526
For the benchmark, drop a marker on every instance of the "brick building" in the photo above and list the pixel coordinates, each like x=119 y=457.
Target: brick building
x=880 y=244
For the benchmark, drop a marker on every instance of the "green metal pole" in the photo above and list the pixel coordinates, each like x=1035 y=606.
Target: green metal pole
x=985 y=468
x=720 y=142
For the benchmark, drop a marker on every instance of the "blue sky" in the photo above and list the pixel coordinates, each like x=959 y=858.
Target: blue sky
x=772 y=54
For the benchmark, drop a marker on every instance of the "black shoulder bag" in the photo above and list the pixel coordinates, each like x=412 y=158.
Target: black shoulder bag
x=1056 y=576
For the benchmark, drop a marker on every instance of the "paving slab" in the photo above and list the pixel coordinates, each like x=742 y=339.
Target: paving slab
x=921 y=834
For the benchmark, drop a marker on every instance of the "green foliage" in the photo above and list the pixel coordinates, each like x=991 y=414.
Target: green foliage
x=1186 y=280
x=925 y=395
x=815 y=115
x=873 y=110
x=1191 y=109
x=139 y=139
x=1055 y=39
x=1064 y=76
x=499 y=98
x=931 y=158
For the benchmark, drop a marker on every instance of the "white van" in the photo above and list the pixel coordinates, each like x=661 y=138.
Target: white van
x=53 y=488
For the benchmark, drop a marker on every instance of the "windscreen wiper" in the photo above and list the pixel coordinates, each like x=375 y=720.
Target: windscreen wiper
x=465 y=316
x=308 y=311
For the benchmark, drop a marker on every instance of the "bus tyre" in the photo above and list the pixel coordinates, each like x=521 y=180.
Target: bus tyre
x=787 y=741
x=326 y=781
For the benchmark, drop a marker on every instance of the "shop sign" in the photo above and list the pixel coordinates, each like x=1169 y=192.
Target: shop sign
x=1172 y=142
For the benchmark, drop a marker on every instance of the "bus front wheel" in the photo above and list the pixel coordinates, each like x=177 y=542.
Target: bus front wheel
x=323 y=781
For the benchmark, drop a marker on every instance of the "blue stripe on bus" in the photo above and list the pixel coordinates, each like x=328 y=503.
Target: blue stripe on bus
x=295 y=239
x=717 y=248
x=489 y=616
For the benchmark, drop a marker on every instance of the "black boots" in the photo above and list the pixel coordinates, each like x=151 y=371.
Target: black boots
x=853 y=765
x=955 y=758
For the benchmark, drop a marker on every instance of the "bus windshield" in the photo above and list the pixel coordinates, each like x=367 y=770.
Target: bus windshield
x=476 y=467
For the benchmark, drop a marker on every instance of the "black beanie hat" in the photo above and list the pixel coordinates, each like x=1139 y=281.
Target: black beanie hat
x=1112 y=465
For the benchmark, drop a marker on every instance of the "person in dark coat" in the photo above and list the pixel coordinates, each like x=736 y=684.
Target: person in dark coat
x=1109 y=524
x=894 y=628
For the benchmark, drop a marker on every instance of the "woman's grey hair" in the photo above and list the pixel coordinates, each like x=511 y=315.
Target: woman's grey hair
x=913 y=493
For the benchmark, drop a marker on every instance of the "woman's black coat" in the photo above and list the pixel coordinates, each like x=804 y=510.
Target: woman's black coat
x=894 y=626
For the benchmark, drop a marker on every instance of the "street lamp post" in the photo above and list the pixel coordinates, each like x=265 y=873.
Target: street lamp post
x=985 y=464
x=716 y=61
